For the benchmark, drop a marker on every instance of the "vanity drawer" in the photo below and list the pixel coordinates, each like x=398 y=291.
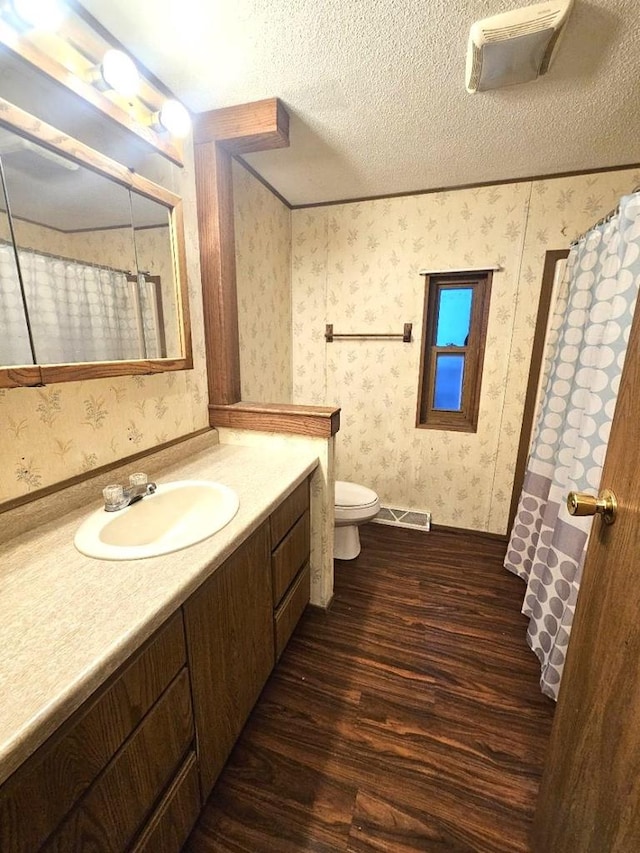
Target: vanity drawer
x=289 y=556
x=289 y=511
x=172 y=821
x=114 y=809
x=289 y=612
x=35 y=800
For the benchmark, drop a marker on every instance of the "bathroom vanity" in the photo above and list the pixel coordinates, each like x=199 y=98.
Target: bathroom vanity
x=124 y=715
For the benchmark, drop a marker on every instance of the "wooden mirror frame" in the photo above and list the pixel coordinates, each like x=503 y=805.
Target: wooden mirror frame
x=44 y=134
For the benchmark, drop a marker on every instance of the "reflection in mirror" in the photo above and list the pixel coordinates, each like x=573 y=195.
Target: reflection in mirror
x=96 y=306
x=15 y=345
x=76 y=252
x=157 y=277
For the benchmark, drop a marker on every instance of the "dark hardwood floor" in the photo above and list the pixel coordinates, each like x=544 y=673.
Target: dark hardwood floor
x=407 y=718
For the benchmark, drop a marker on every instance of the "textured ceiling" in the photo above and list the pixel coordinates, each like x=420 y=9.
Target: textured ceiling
x=376 y=89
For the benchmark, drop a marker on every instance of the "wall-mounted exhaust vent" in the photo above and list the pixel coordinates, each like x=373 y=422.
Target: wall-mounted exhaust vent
x=516 y=46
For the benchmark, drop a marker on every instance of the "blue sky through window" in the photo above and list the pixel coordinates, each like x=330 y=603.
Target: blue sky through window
x=448 y=382
x=454 y=316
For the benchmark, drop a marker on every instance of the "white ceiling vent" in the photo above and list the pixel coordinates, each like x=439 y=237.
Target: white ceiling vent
x=516 y=46
x=15 y=146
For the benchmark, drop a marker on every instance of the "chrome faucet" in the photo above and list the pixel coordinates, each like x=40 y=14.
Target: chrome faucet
x=118 y=497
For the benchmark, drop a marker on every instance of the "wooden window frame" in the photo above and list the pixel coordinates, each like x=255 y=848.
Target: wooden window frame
x=465 y=420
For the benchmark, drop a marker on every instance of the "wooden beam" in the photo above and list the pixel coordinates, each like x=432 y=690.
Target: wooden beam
x=313 y=421
x=245 y=128
x=214 y=193
x=218 y=135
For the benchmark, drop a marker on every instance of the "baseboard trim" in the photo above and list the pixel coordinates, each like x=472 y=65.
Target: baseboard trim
x=466 y=531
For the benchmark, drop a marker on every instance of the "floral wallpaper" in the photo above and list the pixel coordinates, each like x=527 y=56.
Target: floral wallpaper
x=357 y=266
x=263 y=264
x=51 y=433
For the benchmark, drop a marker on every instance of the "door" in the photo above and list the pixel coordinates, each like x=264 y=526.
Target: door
x=590 y=792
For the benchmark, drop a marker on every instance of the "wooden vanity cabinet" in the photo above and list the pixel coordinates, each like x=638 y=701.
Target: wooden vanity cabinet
x=229 y=631
x=95 y=782
x=288 y=614
x=290 y=537
x=172 y=821
x=238 y=623
x=116 y=806
x=130 y=769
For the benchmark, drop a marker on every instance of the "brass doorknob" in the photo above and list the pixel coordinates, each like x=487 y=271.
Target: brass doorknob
x=606 y=505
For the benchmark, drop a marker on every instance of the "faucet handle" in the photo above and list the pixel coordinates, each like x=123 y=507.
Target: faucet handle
x=113 y=496
x=140 y=484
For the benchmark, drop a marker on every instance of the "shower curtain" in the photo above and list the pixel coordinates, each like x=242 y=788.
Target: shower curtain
x=77 y=312
x=584 y=360
x=14 y=336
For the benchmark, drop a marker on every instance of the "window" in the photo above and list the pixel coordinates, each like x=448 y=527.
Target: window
x=456 y=310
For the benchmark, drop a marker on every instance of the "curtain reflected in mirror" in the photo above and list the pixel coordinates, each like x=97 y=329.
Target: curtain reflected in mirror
x=96 y=290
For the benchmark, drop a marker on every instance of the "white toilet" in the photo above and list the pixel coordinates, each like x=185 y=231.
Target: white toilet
x=354 y=505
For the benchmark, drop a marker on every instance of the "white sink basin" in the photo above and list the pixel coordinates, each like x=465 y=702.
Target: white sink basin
x=177 y=515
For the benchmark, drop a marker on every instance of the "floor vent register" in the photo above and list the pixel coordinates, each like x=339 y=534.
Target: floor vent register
x=404 y=518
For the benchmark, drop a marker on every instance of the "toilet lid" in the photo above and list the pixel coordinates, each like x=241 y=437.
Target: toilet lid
x=351 y=494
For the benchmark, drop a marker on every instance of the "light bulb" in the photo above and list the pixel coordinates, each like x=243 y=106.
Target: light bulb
x=120 y=73
x=174 y=118
x=38 y=14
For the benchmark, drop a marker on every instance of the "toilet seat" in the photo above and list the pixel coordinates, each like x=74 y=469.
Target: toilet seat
x=352 y=495
x=354 y=504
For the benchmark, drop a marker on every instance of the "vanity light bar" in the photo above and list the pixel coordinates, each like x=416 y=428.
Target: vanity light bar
x=172 y=118
x=117 y=71
x=81 y=56
x=45 y=15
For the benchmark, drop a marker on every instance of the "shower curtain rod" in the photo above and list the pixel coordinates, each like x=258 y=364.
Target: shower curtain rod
x=72 y=260
x=603 y=219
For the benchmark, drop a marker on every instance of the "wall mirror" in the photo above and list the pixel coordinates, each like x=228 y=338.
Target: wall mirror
x=92 y=271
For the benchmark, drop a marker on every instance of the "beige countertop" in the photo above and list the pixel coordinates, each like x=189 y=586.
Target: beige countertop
x=68 y=621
